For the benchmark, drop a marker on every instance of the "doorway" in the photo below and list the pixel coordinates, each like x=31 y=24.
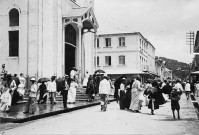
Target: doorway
x=70 y=48
x=69 y=58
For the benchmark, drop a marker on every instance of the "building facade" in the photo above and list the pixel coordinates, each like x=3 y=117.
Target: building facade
x=163 y=73
x=125 y=53
x=46 y=37
x=194 y=66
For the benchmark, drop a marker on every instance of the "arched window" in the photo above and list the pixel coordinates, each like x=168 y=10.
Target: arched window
x=14 y=17
x=121 y=60
x=14 y=34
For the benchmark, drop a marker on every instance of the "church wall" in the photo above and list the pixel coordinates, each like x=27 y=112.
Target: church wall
x=13 y=64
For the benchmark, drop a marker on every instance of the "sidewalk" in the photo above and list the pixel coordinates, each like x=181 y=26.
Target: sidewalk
x=16 y=114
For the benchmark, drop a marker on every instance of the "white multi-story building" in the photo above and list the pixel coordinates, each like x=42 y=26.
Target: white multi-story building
x=125 y=54
x=47 y=37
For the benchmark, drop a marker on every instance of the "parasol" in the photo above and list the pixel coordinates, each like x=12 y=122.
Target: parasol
x=44 y=79
x=99 y=71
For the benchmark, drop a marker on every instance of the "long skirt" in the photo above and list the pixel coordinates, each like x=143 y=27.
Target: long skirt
x=153 y=104
x=128 y=99
x=71 y=95
x=122 y=99
x=21 y=91
x=15 y=97
x=4 y=106
x=135 y=102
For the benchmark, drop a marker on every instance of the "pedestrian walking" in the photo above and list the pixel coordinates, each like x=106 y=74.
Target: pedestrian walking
x=21 y=86
x=193 y=88
x=90 y=90
x=13 y=89
x=73 y=74
x=122 y=94
x=5 y=99
x=197 y=88
x=64 y=90
x=52 y=89
x=152 y=95
x=146 y=88
x=167 y=89
x=42 y=93
x=104 y=90
x=187 y=89
x=85 y=81
x=135 y=95
x=72 y=91
x=30 y=106
x=128 y=93
x=175 y=97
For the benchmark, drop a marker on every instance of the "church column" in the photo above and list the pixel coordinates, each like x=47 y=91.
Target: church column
x=63 y=49
x=80 y=55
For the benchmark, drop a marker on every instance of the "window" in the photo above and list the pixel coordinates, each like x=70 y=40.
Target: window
x=108 y=60
x=14 y=17
x=13 y=43
x=121 y=60
x=13 y=35
x=97 y=42
x=97 y=60
x=122 y=41
x=108 y=42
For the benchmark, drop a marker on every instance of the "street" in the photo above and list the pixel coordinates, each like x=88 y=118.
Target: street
x=114 y=121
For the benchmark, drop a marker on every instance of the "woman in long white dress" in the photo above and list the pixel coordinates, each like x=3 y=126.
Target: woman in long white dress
x=21 y=86
x=5 y=99
x=136 y=92
x=72 y=92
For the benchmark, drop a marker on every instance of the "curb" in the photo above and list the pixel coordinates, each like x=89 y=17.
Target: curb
x=195 y=104
x=21 y=120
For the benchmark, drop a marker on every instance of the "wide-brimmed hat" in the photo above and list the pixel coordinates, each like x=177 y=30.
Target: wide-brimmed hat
x=33 y=79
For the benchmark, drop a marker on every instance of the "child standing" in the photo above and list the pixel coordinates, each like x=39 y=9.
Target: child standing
x=175 y=97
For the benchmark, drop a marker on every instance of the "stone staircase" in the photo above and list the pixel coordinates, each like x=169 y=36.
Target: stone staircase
x=80 y=96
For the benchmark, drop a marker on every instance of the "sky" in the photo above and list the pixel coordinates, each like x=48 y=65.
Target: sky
x=162 y=22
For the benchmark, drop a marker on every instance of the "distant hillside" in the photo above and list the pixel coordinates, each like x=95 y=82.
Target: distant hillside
x=180 y=69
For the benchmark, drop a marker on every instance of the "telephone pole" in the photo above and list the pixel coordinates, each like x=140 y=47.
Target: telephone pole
x=190 y=38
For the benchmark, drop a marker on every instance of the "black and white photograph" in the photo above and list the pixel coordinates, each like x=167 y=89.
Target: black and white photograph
x=96 y=67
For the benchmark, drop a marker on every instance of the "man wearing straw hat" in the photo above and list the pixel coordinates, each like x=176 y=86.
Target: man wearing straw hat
x=104 y=90
x=30 y=106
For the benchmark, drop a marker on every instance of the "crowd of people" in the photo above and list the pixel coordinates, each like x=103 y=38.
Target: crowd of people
x=130 y=93
x=13 y=89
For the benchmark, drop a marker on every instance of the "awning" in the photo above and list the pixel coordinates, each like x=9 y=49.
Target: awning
x=120 y=72
x=195 y=73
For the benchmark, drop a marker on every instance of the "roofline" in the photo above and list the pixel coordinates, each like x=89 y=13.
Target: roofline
x=127 y=33
x=75 y=3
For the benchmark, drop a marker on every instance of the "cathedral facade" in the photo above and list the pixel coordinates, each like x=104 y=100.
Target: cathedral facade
x=47 y=37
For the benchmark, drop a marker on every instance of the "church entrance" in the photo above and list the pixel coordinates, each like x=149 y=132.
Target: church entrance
x=70 y=48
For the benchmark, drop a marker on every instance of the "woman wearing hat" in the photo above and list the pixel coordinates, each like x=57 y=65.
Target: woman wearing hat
x=135 y=95
x=72 y=91
x=30 y=106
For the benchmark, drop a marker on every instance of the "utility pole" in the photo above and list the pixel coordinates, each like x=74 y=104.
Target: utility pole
x=190 y=38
